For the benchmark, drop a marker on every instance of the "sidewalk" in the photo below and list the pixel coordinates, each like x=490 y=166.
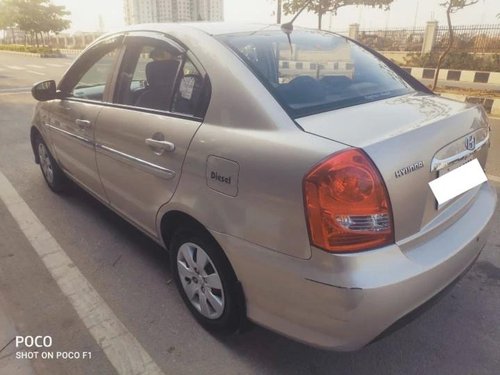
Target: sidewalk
x=463 y=85
x=65 y=52
x=9 y=365
x=456 y=75
x=494 y=88
x=491 y=105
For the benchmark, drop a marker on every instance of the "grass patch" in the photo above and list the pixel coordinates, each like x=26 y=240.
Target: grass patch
x=30 y=49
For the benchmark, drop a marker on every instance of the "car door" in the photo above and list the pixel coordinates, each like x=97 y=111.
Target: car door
x=85 y=88
x=141 y=140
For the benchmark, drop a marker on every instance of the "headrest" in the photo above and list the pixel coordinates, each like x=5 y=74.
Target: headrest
x=161 y=73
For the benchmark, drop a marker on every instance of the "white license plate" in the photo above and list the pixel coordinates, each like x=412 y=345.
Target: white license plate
x=457 y=181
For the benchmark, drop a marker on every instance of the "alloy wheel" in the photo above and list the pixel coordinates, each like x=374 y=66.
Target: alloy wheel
x=200 y=280
x=46 y=163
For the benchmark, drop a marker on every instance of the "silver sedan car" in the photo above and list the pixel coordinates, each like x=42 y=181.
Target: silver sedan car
x=297 y=178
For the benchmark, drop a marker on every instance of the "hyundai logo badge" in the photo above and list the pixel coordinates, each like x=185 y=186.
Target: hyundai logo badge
x=470 y=142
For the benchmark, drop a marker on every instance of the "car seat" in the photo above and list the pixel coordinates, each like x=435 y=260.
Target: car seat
x=160 y=76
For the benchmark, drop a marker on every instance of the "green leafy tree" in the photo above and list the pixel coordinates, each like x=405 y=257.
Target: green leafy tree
x=35 y=17
x=54 y=14
x=8 y=15
x=321 y=7
x=452 y=6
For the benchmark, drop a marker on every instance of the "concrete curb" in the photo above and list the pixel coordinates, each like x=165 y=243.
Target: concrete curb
x=491 y=105
x=41 y=55
x=70 y=51
x=64 y=52
x=470 y=76
x=20 y=53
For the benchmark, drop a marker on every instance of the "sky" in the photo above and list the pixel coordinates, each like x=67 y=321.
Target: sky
x=403 y=13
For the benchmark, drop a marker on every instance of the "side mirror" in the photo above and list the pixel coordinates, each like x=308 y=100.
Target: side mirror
x=44 y=91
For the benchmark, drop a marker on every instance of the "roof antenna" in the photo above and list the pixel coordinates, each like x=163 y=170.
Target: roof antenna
x=287 y=27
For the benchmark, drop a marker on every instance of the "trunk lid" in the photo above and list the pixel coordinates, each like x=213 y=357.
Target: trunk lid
x=412 y=139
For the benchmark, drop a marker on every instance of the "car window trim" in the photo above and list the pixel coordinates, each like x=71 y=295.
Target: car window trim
x=108 y=95
x=155 y=37
x=156 y=111
x=203 y=102
x=202 y=105
x=111 y=90
x=137 y=109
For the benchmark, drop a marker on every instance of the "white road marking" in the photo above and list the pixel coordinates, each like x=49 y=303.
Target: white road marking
x=14 y=67
x=122 y=349
x=34 y=66
x=494 y=178
x=14 y=93
x=15 y=90
x=55 y=65
x=37 y=73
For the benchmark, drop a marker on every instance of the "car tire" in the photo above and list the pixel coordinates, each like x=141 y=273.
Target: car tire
x=53 y=175
x=206 y=281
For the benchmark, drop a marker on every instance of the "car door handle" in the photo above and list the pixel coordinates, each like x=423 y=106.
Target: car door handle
x=83 y=124
x=162 y=145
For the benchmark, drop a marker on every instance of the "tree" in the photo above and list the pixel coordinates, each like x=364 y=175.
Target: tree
x=452 y=6
x=321 y=7
x=34 y=16
x=54 y=14
x=8 y=14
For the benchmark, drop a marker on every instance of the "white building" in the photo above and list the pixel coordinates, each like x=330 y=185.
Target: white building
x=146 y=11
x=140 y=11
x=209 y=10
x=164 y=11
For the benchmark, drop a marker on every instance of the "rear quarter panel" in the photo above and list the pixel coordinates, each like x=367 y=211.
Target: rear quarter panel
x=245 y=124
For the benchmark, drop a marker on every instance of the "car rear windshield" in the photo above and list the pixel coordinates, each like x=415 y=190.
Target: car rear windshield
x=313 y=71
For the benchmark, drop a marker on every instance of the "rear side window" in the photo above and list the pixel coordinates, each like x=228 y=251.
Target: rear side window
x=160 y=76
x=148 y=74
x=188 y=94
x=315 y=71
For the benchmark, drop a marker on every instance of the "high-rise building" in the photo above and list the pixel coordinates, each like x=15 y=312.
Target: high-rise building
x=164 y=11
x=146 y=11
x=209 y=10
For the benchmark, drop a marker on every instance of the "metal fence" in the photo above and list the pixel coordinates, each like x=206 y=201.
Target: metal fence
x=393 y=39
x=470 y=38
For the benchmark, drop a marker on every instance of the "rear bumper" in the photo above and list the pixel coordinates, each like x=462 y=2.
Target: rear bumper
x=414 y=314
x=343 y=302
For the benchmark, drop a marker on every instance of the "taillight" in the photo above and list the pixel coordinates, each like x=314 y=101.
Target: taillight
x=347 y=204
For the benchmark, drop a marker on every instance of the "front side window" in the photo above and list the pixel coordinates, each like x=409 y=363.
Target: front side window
x=337 y=73
x=92 y=73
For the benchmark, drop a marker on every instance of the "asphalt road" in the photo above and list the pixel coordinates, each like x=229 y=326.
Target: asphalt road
x=459 y=335
x=21 y=71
